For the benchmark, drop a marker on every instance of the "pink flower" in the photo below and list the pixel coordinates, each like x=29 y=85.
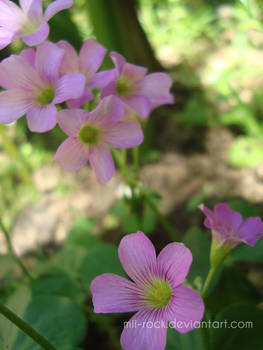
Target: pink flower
x=90 y=134
x=139 y=91
x=156 y=292
x=34 y=86
x=27 y=21
x=228 y=227
x=88 y=62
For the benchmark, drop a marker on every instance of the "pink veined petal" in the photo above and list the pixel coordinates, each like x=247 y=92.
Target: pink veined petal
x=146 y=332
x=71 y=120
x=91 y=56
x=38 y=36
x=108 y=112
x=251 y=230
x=210 y=220
x=101 y=161
x=69 y=86
x=163 y=101
x=48 y=59
x=11 y=16
x=72 y=154
x=14 y=104
x=185 y=309
x=57 y=6
x=6 y=37
x=133 y=72
x=78 y=102
x=140 y=104
x=174 y=262
x=124 y=135
x=32 y=8
x=112 y=293
x=138 y=257
x=109 y=89
x=29 y=55
x=42 y=118
x=70 y=61
x=102 y=79
x=119 y=62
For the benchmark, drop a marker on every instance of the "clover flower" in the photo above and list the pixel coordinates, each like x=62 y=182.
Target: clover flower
x=27 y=21
x=88 y=62
x=139 y=91
x=90 y=134
x=33 y=86
x=156 y=292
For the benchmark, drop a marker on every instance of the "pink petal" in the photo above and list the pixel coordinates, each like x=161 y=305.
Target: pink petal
x=71 y=120
x=38 y=36
x=69 y=86
x=156 y=87
x=140 y=104
x=102 y=163
x=108 y=112
x=251 y=230
x=174 y=262
x=227 y=217
x=146 y=332
x=71 y=154
x=29 y=55
x=102 y=79
x=6 y=37
x=109 y=89
x=13 y=105
x=57 y=6
x=33 y=9
x=42 y=118
x=119 y=62
x=48 y=59
x=124 y=135
x=185 y=310
x=138 y=257
x=133 y=73
x=78 y=102
x=70 y=61
x=91 y=56
x=11 y=16
x=112 y=293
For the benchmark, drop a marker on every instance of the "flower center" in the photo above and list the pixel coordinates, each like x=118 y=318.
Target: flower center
x=158 y=294
x=30 y=27
x=90 y=135
x=46 y=96
x=123 y=87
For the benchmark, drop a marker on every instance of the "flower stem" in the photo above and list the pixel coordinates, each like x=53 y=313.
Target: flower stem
x=12 y=252
x=26 y=328
x=136 y=161
x=208 y=280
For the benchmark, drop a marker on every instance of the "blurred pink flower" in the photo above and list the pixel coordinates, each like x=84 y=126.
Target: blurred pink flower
x=90 y=134
x=27 y=21
x=34 y=86
x=139 y=91
x=156 y=292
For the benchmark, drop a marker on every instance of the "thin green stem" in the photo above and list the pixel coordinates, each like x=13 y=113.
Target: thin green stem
x=26 y=328
x=208 y=280
x=12 y=252
x=14 y=154
x=136 y=161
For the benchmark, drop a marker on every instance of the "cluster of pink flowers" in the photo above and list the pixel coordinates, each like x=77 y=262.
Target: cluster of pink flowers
x=37 y=80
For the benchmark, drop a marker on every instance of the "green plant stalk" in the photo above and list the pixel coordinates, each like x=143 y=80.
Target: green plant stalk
x=14 y=154
x=12 y=252
x=136 y=161
x=208 y=280
x=26 y=328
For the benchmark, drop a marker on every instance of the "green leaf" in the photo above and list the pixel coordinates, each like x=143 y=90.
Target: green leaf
x=5 y=265
x=189 y=341
x=246 y=152
x=246 y=253
x=245 y=208
x=227 y=338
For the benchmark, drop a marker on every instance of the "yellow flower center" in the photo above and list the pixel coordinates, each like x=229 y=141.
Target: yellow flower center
x=158 y=293
x=123 y=87
x=46 y=96
x=90 y=135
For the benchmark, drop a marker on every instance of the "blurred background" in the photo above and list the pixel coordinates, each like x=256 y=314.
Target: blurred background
x=207 y=147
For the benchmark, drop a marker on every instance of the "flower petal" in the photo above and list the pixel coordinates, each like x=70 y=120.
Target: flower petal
x=124 y=135
x=144 y=331
x=69 y=86
x=251 y=230
x=71 y=120
x=112 y=293
x=14 y=104
x=42 y=118
x=33 y=9
x=11 y=16
x=91 y=56
x=6 y=37
x=102 y=163
x=185 y=310
x=108 y=112
x=109 y=89
x=71 y=154
x=228 y=218
x=78 y=102
x=48 y=59
x=119 y=62
x=174 y=262
x=138 y=257
x=102 y=79
x=38 y=36
x=140 y=104
x=29 y=55
x=133 y=72
x=57 y=6
x=70 y=61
